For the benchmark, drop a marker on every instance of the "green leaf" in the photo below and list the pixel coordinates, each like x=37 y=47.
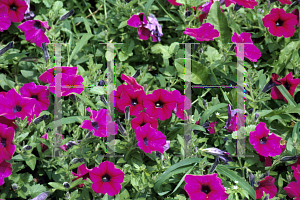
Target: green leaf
x=182 y=179
x=234 y=177
x=147 y=6
x=57 y=186
x=175 y=169
x=21 y=137
x=83 y=41
x=27 y=73
x=217 y=18
x=87 y=101
x=122 y=24
x=73 y=195
x=296 y=134
x=199 y=73
x=198 y=127
x=31 y=161
x=35 y=190
x=48 y=3
x=98 y=90
x=69 y=120
x=76 y=182
x=162 y=80
x=87 y=25
x=212 y=54
x=208 y=112
x=57 y=5
x=287 y=95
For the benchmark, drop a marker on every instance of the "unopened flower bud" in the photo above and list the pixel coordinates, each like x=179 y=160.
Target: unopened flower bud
x=14 y=186
x=27 y=147
x=40 y=119
x=188 y=13
x=6 y=48
x=101 y=83
x=204 y=103
x=137 y=73
x=66 y=184
x=121 y=128
x=68 y=14
x=77 y=160
x=102 y=98
x=251 y=179
x=256 y=117
x=289 y=158
x=127 y=113
x=45 y=52
x=89 y=134
x=214 y=166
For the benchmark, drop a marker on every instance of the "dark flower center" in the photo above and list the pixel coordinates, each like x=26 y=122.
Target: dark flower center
x=141 y=17
x=87 y=175
x=279 y=22
x=13 y=7
x=146 y=141
x=205 y=189
x=287 y=86
x=143 y=124
x=17 y=109
x=95 y=125
x=134 y=102
x=38 y=25
x=3 y=142
x=106 y=178
x=158 y=104
x=35 y=96
x=263 y=140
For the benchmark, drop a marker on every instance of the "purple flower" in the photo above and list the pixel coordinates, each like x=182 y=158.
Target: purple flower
x=34 y=31
x=4 y=18
x=5 y=171
x=231 y=123
x=155 y=28
x=139 y=21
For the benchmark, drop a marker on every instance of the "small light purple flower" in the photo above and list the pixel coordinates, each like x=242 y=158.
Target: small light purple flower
x=155 y=28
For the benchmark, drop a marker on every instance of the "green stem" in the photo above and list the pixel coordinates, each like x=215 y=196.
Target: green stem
x=242 y=168
x=166 y=11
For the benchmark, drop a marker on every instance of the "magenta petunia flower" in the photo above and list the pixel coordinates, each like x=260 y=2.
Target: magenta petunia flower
x=16 y=106
x=266 y=185
x=82 y=172
x=205 y=32
x=180 y=101
x=229 y=2
x=159 y=104
x=149 y=139
x=205 y=8
x=100 y=120
x=7 y=148
x=273 y=82
x=34 y=31
x=38 y=92
x=48 y=76
x=296 y=173
x=142 y=119
x=209 y=126
x=155 y=28
x=268 y=160
x=8 y=122
x=246 y=3
x=280 y=23
x=231 y=123
x=131 y=81
x=132 y=98
x=69 y=84
x=208 y=187
x=139 y=21
x=173 y=2
x=285 y=2
x=4 y=18
x=45 y=147
x=16 y=9
x=296 y=12
x=106 y=178
x=265 y=144
x=115 y=96
x=293 y=190
x=166 y=147
x=5 y=171
x=250 y=50
x=289 y=83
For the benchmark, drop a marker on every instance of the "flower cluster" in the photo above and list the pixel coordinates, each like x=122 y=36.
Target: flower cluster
x=146 y=29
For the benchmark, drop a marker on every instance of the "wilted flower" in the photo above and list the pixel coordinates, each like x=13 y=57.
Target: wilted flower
x=273 y=82
x=68 y=14
x=155 y=28
x=66 y=184
x=223 y=155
